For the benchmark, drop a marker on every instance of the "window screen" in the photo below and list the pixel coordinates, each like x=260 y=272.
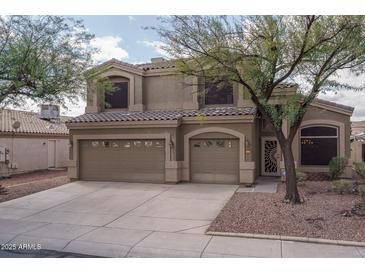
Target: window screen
x=318 y=145
x=218 y=94
x=117 y=98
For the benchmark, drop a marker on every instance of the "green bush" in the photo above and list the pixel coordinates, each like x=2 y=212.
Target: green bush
x=360 y=168
x=342 y=186
x=301 y=177
x=337 y=166
x=362 y=194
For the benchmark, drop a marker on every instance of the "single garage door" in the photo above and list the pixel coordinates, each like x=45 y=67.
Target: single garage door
x=214 y=161
x=122 y=160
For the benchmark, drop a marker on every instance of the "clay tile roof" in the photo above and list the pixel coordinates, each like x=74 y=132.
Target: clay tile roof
x=161 y=115
x=142 y=67
x=157 y=65
x=115 y=61
x=30 y=123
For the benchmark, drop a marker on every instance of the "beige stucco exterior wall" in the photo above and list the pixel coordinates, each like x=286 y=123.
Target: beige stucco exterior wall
x=164 y=90
x=357 y=145
x=243 y=128
x=356 y=151
x=176 y=160
x=358 y=127
x=167 y=133
x=152 y=92
x=244 y=131
x=319 y=116
x=170 y=92
x=95 y=99
x=31 y=153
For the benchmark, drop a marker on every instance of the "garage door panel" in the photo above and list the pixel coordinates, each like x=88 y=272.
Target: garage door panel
x=214 y=161
x=204 y=178
x=122 y=160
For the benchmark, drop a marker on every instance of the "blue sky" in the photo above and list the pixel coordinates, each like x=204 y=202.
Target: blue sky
x=123 y=37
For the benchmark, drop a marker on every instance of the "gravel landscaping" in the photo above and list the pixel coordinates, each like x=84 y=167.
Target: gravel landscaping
x=24 y=184
x=324 y=214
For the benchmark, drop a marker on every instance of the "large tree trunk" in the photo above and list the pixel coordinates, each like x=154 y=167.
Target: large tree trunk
x=292 y=194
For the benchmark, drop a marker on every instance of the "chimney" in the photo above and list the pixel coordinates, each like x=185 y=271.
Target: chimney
x=157 y=60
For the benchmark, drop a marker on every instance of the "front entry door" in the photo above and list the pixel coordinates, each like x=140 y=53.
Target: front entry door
x=270 y=157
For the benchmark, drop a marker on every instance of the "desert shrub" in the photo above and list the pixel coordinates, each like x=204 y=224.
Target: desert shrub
x=342 y=186
x=360 y=168
x=362 y=195
x=337 y=166
x=301 y=177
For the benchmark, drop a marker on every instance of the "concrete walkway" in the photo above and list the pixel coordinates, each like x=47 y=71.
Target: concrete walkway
x=138 y=220
x=262 y=185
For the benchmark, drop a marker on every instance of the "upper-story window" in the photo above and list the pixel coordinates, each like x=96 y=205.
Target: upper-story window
x=218 y=94
x=117 y=98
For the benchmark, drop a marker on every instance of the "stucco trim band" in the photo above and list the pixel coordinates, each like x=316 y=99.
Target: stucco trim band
x=246 y=174
x=74 y=164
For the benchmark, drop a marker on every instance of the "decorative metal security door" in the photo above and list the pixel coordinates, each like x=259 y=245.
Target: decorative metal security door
x=270 y=157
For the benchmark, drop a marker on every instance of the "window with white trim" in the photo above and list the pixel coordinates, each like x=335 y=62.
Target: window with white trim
x=318 y=145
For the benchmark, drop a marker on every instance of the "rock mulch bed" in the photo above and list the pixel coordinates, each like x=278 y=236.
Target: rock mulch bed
x=28 y=183
x=324 y=214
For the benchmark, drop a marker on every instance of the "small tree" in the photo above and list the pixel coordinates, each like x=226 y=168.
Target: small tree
x=42 y=58
x=262 y=52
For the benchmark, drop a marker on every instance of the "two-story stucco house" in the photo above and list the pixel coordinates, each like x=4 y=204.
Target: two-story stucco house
x=159 y=127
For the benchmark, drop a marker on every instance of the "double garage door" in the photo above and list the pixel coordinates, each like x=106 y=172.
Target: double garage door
x=214 y=161
x=122 y=160
x=211 y=160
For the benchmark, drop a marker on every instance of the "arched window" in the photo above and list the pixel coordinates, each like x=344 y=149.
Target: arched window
x=318 y=145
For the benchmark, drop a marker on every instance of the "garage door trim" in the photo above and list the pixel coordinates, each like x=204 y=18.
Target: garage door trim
x=188 y=136
x=214 y=160
x=136 y=160
x=153 y=136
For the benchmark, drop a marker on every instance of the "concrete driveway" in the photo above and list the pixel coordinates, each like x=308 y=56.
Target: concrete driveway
x=138 y=220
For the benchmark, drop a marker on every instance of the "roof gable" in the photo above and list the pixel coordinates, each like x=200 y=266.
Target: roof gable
x=335 y=107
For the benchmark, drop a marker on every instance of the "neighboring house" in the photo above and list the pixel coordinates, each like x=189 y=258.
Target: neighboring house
x=161 y=126
x=358 y=141
x=28 y=143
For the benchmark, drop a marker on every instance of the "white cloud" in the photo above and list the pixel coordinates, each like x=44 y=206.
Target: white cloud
x=73 y=108
x=4 y=17
x=109 y=48
x=351 y=98
x=157 y=45
x=131 y=18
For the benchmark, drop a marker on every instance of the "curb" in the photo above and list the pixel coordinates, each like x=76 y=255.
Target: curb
x=286 y=238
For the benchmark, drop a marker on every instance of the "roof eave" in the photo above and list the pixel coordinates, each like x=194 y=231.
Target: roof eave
x=111 y=63
x=335 y=108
